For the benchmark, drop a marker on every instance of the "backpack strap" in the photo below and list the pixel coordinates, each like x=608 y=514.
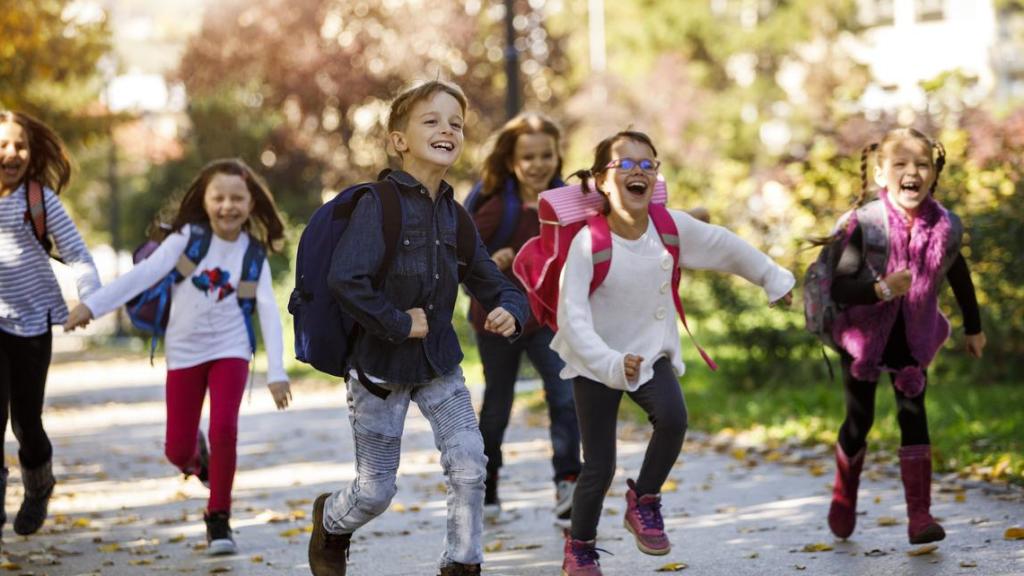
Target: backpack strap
x=465 y=240
x=199 y=238
x=252 y=266
x=669 y=234
x=874 y=229
x=511 y=207
x=600 y=249
x=35 y=212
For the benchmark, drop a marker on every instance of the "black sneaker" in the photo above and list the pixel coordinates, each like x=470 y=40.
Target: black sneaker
x=218 y=534
x=328 y=553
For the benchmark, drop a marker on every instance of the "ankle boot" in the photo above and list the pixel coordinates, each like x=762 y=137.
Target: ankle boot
x=842 y=515
x=916 y=471
x=39 y=483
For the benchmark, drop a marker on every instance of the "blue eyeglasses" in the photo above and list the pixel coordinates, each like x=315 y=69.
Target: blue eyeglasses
x=647 y=165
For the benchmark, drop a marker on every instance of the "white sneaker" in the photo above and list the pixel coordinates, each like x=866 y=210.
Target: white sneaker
x=564 y=489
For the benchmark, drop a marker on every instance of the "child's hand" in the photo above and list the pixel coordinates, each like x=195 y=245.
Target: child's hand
x=975 y=344
x=700 y=213
x=785 y=301
x=282 y=393
x=632 y=365
x=503 y=258
x=80 y=316
x=500 y=321
x=899 y=282
x=419 y=326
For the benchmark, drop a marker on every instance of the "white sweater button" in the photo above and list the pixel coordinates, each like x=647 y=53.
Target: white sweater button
x=666 y=263
x=659 y=314
x=665 y=287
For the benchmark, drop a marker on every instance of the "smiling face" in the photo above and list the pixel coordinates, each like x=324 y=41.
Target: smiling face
x=629 y=191
x=14 y=156
x=534 y=162
x=906 y=170
x=228 y=203
x=433 y=132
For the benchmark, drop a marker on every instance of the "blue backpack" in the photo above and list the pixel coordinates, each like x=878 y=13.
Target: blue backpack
x=149 y=311
x=512 y=205
x=324 y=334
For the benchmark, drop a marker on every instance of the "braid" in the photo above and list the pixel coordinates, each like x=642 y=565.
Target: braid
x=940 y=162
x=864 y=155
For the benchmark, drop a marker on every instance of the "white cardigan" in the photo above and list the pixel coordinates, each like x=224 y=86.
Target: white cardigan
x=632 y=311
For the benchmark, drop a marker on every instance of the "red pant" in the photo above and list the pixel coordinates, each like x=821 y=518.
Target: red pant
x=186 y=392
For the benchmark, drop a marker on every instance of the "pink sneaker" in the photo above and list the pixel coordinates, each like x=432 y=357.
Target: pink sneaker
x=643 y=519
x=580 y=558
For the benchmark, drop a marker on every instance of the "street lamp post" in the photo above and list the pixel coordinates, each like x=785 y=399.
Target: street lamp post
x=511 y=61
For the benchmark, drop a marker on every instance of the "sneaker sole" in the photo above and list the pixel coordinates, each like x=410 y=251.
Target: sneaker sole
x=640 y=544
x=221 y=548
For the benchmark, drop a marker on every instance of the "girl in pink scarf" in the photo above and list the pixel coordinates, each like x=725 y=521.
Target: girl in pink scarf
x=887 y=284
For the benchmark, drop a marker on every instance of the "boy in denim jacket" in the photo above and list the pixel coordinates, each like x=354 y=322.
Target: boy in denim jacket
x=408 y=350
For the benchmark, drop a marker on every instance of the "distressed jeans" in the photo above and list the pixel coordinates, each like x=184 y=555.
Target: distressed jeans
x=377 y=426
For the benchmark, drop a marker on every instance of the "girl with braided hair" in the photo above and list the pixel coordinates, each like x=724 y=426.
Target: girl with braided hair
x=899 y=247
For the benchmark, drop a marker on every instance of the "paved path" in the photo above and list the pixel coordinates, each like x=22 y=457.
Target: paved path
x=120 y=509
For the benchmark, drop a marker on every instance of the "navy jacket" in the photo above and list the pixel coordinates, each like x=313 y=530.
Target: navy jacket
x=423 y=274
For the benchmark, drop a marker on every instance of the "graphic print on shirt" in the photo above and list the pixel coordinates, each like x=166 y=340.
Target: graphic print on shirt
x=215 y=280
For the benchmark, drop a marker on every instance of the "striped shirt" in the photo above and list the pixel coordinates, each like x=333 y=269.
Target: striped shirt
x=30 y=298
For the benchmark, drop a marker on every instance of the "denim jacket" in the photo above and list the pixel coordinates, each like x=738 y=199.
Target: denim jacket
x=423 y=274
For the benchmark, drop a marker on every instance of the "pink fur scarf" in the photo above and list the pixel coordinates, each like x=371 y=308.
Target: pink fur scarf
x=864 y=331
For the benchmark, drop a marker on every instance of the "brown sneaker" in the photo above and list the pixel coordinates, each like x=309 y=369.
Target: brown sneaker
x=328 y=553
x=460 y=570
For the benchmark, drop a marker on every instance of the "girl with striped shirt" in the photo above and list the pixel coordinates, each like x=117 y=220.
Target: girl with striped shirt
x=34 y=169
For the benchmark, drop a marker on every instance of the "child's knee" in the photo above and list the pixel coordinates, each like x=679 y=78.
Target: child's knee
x=375 y=495
x=179 y=453
x=464 y=458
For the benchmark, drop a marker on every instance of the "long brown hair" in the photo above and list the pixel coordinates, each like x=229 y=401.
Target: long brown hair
x=48 y=160
x=496 y=166
x=603 y=155
x=264 y=222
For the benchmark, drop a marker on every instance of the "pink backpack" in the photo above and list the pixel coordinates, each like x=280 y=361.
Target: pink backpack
x=563 y=213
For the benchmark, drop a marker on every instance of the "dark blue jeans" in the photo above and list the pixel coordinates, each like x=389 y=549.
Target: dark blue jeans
x=501 y=368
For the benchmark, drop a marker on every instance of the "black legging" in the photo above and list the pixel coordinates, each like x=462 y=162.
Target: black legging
x=597 y=408
x=24 y=363
x=860 y=413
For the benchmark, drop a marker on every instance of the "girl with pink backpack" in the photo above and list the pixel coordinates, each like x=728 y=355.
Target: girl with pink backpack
x=621 y=337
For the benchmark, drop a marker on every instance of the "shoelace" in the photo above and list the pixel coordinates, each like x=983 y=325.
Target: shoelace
x=587 y=555
x=650 y=515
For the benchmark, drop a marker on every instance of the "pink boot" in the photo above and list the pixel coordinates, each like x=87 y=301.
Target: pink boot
x=643 y=519
x=916 y=470
x=580 y=558
x=842 y=515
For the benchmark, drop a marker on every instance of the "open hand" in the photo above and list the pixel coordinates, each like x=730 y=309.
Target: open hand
x=500 y=321
x=419 y=327
x=975 y=344
x=282 y=393
x=79 y=317
x=632 y=365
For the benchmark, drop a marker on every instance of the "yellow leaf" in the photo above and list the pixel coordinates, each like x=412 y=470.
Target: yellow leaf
x=8 y=565
x=923 y=550
x=291 y=533
x=888 y=521
x=816 y=469
x=773 y=456
x=673 y=567
x=495 y=546
x=999 y=470
x=669 y=486
x=398 y=507
x=739 y=454
x=256 y=559
x=819 y=547
x=115 y=547
x=82 y=523
x=961 y=496
x=1015 y=533
x=878 y=499
x=176 y=539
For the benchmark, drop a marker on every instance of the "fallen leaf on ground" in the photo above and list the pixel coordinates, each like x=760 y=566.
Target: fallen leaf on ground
x=961 y=496
x=923 y=550
x=670 y=486
x=495 y=546
x=1015 y=533
x=818 y=547
x=874 y=553
x=968 y=564
x=256 y=559
x=220 y=569
x=673 y=567
x=888 y=521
